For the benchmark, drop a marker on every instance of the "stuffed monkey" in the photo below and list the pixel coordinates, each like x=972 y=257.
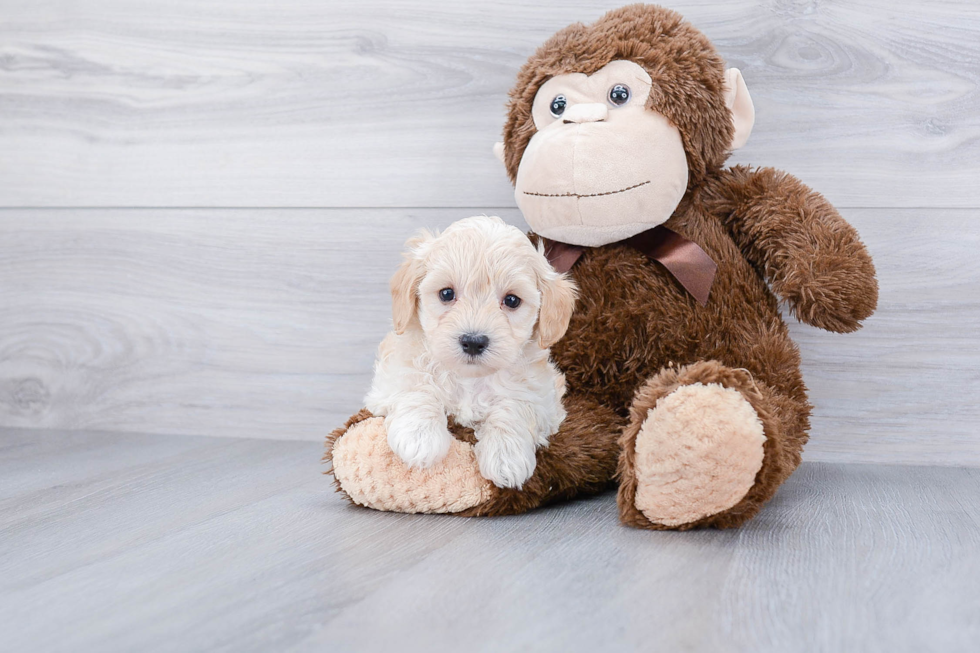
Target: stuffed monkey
x=683 y=386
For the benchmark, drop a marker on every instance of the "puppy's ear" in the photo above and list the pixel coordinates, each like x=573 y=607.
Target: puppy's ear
x=557 y=303
x=405 y=282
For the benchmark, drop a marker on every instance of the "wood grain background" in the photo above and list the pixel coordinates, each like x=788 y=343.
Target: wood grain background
x=200 y=204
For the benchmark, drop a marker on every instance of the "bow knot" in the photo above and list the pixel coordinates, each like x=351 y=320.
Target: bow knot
x=683 y=258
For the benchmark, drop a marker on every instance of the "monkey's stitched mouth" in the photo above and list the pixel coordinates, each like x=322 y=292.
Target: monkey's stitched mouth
x=610 y=192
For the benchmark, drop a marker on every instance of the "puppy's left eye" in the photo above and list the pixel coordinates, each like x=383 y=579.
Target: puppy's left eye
x=512 y=301
x=447 y=295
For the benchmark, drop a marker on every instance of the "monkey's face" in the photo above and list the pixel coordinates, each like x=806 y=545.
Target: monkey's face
x=602 y=166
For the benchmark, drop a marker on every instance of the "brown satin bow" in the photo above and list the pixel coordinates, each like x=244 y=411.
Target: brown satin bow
x=683 y=258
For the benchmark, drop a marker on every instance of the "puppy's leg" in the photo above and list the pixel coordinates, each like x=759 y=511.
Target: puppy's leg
x=417 y=430
x=580 y=459
x=505 y=448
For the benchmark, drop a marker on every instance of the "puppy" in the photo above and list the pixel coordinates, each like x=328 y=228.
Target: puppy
x=475 y=310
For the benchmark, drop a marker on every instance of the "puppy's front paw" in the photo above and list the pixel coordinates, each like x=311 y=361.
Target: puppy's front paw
x=505 y=459
x=418 y=442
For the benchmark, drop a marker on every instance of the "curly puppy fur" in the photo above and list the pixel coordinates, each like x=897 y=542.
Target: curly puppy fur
x=637 y=334
x=508 y=389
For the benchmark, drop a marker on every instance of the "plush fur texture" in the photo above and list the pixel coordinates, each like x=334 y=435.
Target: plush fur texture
x=366 y=471
x=638 y=338
x=383 y=482
x=780 y=450
x=697 y=454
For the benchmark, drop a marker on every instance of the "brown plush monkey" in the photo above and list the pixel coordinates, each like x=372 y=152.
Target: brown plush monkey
x=691 y=400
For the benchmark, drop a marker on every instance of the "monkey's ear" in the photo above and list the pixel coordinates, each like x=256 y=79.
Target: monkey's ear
x=405 y=283
x=740 y=103
x=498 y=151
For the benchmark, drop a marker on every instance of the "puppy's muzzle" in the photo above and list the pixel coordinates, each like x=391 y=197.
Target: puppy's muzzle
x=473 y=344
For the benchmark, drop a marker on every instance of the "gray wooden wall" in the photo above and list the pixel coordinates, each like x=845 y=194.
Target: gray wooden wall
x=202 y=201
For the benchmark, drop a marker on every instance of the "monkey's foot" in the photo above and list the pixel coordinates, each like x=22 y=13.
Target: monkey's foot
x=371 y=475
x=697 y=454
x=692 y=453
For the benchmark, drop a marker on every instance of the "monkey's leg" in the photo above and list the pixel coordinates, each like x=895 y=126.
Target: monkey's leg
x=706 y=445
x=580 y=459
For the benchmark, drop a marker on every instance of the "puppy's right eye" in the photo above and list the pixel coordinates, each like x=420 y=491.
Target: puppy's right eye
x=447 y=295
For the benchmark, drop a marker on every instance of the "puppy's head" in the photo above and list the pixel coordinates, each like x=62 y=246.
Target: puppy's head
x=481 y=293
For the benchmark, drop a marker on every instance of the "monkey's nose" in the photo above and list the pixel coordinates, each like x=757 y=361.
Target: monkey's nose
x=589 y=112
x=473 y=344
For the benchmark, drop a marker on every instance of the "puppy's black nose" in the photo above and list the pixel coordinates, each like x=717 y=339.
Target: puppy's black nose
x=473 y=344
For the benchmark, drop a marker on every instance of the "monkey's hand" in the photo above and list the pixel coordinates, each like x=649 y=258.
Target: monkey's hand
x=808 y=253
x=370 y=474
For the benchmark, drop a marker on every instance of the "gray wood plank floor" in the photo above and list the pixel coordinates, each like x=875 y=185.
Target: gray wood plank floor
x=123 y=542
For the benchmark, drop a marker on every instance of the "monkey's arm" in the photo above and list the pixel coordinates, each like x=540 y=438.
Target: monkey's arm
x=808 y=253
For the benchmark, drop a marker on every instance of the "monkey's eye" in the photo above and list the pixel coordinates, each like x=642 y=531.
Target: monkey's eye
x=447 y=295
x=619 y=95
x=512 y=301
x=558 y=105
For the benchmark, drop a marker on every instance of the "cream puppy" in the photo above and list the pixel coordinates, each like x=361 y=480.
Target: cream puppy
x=475 y=310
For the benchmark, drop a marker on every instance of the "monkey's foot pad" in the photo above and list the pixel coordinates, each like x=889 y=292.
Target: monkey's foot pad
x=697 y=454
x=373 y=476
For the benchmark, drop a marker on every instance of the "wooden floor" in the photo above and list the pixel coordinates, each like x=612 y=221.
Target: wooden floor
x=128 y=542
